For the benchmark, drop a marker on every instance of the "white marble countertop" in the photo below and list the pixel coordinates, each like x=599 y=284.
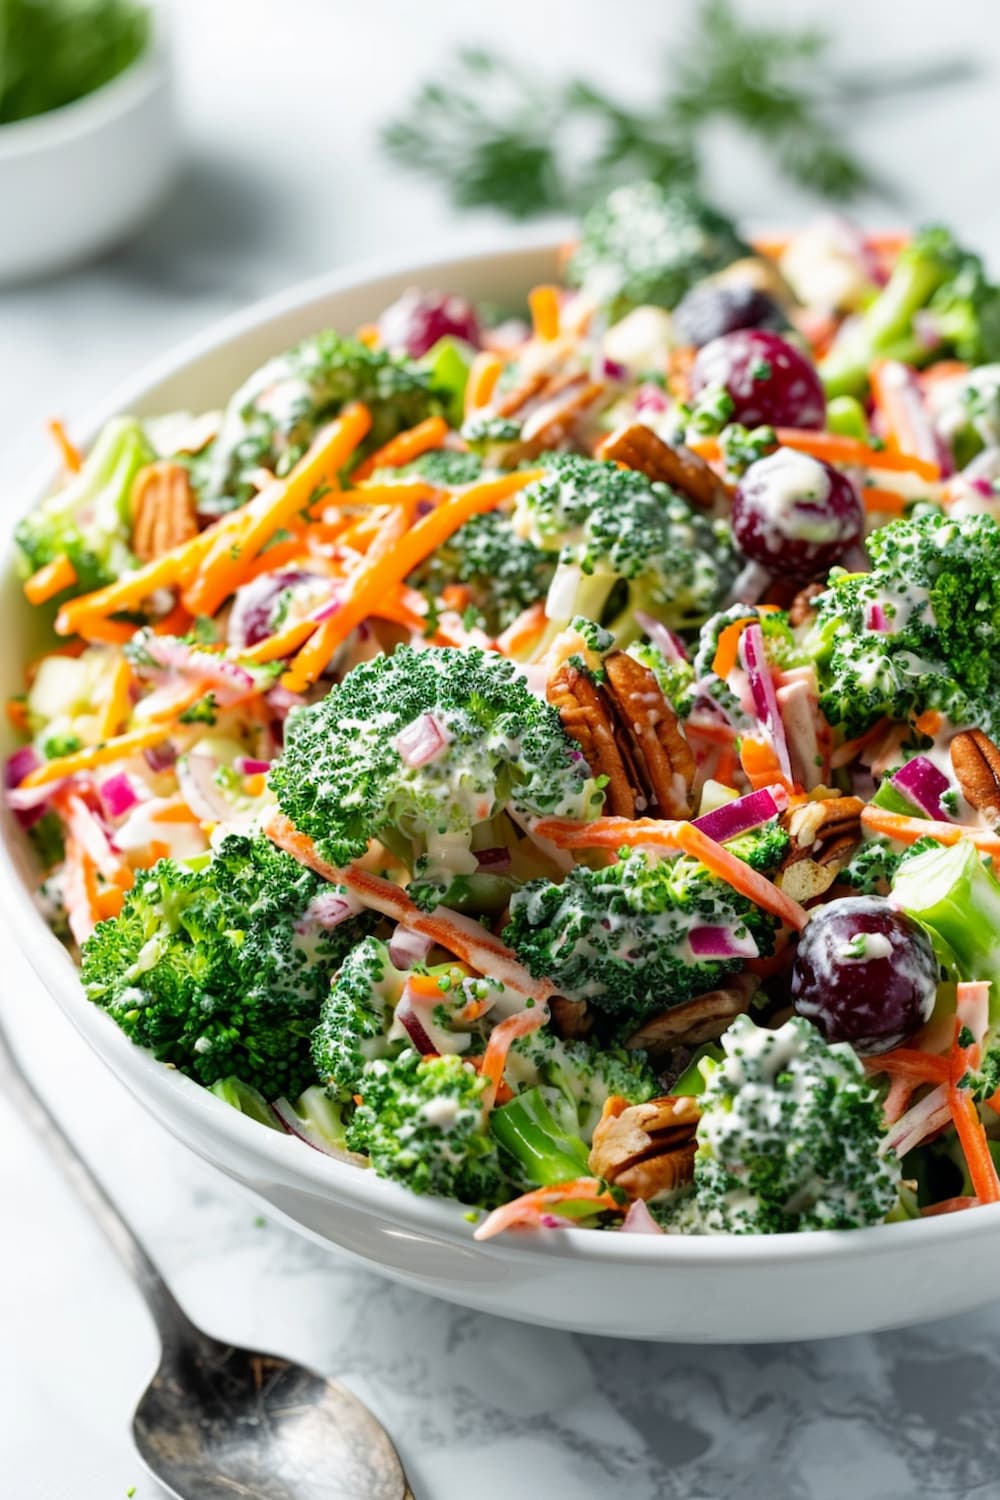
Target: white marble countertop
x=284 y=181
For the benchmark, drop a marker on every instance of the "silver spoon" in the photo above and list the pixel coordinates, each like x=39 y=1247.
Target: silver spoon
x=217 y=1422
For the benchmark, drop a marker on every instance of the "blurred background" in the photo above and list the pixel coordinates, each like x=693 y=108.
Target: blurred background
x=310 y=134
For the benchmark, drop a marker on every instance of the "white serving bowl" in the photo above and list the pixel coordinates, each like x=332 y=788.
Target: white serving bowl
x=76 y=180
x=710 y=1289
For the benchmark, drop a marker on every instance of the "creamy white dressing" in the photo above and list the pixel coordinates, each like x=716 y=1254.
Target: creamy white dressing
x=789 y=490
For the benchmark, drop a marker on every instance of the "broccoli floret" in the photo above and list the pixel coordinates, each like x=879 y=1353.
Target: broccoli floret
x=873 y=865
x=354 y=1023
x=273 y=417
x=221 y=970
x=920 y=631
x=541 y=1147
x=504 y=572
x=972 y=421
x=420 y=747
x=447 y=467
x=421 y=1123
x=763 y=849
x=647 y=244
x=623 y=543
x=790 y=1137
x=933 y=277
x=90 y=519
x=675 y=678
x=578 y=1077
x=955 y=895
x=619 y=937
x=742 y=446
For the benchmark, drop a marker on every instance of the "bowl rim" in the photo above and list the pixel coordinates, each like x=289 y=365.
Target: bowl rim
x=165 y=1091
x=106 y=105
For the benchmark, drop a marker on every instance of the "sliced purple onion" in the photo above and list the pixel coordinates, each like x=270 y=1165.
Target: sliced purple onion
x=876 y=619
x=639 y=1220
x=422 y=741
x=26 y=799
x=764 y=697
x=331 y=907
x=923 y=784
x=743 y=814
x=118 y=795
x=661 y=635
x=167 y=661
x=250 y=620
x=721 y=942
x=248 y=766
x=160 y=757
x=494 y=860
x=407 y=949
x=202 y=793
x=925 y=1117
x=411 y=1023
x=21 y=764
x=307 y=1129
x=651 y=398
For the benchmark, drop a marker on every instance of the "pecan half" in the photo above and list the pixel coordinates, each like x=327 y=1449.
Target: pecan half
x=638 y=447
x=586 y=717
x=558 y=412
x=976 y=763
x=646 y=1149
x=702 y=1019
x=801 y=611
x=824 y=834
x=570 y=1018
x=629 y=733
x=163 y=510
x=662 y=755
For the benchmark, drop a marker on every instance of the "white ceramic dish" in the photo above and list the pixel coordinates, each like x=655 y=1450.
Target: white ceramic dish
x=76 y=180
x=706 y=1289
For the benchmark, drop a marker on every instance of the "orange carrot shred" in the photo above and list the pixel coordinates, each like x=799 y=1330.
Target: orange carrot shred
x=544 y=304
x=484 y=373
x=532 y=1208
x=50 y=580
x=906 y=830
x=844 y=450
x=71 y=456
x=885 y=502
x=124 y=745
x=404 y=448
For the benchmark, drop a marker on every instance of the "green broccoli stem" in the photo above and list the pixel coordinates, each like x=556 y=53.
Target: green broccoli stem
x=574 y=593
x=952 y=893
x=883 y=331
x=529 y=1132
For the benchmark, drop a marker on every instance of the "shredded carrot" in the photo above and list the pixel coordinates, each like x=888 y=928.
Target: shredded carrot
x=911 y=1063
x=899 y=400
x=404 y=448
x=608 y=833
x=544 y=304
x=98 y=632
x=238 y=541
x=50 y=580
x=905 y=830
x=501 y=1040
x=380 y=494
x=80 y=891
x=884 y=502
x=929 y=722
x=17 y=714
x=844 y=450
x=118 y=706
x=948 y=1206
x=173 y=810
x=380 y=573
x=760 y=764
x=522 y=633
x=679 y=363
x=975 y=1146
x=68 y=451
x=755 y=887
x=531 y=1209
x=484 y=373
x=110 y=902
x=369 y=335
x=119 y=748
x=131 y=588
x=727 y=649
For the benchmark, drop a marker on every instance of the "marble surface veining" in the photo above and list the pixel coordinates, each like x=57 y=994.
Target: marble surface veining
x=284 y=181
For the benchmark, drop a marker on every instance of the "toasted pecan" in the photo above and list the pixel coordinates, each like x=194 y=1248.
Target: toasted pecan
x=975 y=760
x=662 y=755
x=646 y=1149
x=638 y=447
x=824 y=834
x=570 y=1018
x=702 y=1019
x=586 y=717
x=163 y=510
x=802 y=610
x=563 y=406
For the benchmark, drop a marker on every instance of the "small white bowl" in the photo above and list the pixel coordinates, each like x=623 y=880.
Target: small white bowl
x=77 y=180
x=713 y=1289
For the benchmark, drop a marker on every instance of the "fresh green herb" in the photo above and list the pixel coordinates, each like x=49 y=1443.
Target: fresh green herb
x=498 y=136
x=54 y=53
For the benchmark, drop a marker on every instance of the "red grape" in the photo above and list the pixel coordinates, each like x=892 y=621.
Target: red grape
x=864 y=974
x=414 y=323
x=795 y=514
x=768 y=379
x=710 y=310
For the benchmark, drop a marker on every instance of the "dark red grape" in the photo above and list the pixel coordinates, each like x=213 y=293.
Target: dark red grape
x=768 y=379
x=795 y=514
x=711 y=310
x=414 y=323
x=864 y=974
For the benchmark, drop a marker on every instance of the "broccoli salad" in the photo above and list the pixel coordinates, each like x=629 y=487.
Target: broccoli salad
x=550 y=757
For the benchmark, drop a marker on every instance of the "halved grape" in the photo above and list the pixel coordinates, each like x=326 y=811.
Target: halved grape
x=796 y=515
x=711 y=310
x=769 y=380
x=865 y=974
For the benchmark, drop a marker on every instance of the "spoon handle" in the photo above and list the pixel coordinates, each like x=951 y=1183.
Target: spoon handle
x=170 y=1319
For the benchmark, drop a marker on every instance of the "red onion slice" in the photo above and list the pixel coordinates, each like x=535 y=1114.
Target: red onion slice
x=411 y=1023
x=407 y=949
x=923 y=784
x=422 y=741
x=764 y=697
x=247 y=766
x=743 y=814
x=21 y=764
x=309 y=1127
x=661 y=635
x=721 y=942
x=329 y=908
x=639 y=1220
x=118 y=795
x=495 y=861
